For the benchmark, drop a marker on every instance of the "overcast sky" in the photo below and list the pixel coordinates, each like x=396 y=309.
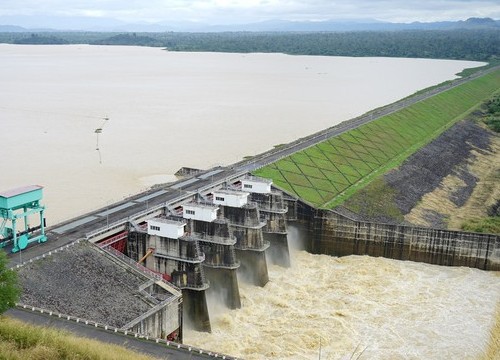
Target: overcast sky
x=244 y=11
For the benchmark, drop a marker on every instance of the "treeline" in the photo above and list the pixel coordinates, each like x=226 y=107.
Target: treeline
x=461 y=44
x=492 y=118
x=482 y=45
x=41 y=39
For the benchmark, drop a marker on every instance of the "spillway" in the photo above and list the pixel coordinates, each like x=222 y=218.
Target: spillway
x=374 y=307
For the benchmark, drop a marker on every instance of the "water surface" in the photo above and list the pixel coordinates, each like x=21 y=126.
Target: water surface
x=168 y=109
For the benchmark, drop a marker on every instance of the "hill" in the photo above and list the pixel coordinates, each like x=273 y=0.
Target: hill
x=82 y=23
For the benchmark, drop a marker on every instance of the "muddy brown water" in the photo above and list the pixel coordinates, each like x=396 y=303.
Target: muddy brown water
x=168 y=109
x=382 y=308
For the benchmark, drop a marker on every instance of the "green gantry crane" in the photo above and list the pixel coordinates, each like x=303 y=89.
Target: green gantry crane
x=16 y=206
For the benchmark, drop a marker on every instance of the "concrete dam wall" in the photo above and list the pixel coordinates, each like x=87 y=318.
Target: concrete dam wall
x=334 y=234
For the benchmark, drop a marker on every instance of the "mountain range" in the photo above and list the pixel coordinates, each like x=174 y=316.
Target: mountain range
x=30 y=24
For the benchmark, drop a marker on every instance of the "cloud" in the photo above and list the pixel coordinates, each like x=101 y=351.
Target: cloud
x=240 y=11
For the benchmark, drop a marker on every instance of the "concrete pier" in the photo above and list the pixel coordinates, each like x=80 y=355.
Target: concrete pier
x=253 y=266
x=220 y=265
x=251 y=247
x=164 y=248
x=224 y=286
x=278 y=253
x=273 y=211
x=195 y=306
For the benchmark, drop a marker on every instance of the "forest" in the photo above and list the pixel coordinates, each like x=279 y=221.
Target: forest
x=460 y=44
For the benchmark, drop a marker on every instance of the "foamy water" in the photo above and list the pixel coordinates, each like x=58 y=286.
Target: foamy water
x=374 y=307
x=167 y=110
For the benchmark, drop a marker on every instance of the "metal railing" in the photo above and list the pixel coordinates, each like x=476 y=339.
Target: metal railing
x=222 y=265
x=124 y=221
x=112 y=240
x=124 y=332
x=192 y=260
x=222 y=240
x=134 y=264
x=265 y=245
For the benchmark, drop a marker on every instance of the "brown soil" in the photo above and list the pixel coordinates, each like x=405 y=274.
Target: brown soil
x=486 y=168
x=453 y=178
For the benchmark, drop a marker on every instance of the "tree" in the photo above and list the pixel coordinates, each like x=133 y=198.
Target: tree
x=9 y=288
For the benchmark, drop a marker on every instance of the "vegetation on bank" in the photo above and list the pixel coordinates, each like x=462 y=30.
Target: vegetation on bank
x=9 y=288
x=488 y=225
x=41 y=39
x=21 y=341
x=464 y=44
x=491 y=115
x=129 y=39
x=330 y=172
x=376 y=201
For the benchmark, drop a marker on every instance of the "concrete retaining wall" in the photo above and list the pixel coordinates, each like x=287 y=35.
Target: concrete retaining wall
x=334 y=234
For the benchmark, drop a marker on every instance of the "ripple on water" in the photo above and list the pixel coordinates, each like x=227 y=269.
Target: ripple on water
x=385 y=308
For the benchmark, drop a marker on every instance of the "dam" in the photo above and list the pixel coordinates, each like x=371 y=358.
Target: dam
x=217 y=220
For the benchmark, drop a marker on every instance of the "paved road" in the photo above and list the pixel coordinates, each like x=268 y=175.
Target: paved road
x=159 y=351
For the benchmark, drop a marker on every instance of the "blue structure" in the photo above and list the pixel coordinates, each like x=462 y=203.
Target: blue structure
x=17 y=205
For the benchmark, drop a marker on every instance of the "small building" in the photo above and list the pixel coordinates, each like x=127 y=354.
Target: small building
x=256 y=185
x=201 y=212
x=166 y=228
x=231 y=198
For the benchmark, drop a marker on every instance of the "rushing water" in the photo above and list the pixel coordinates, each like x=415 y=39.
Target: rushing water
x=374 y=307
x=167 y=110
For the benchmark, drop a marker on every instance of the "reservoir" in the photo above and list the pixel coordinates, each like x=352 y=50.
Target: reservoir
x=167 y=110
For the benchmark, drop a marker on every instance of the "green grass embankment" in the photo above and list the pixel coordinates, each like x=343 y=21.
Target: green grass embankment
x=22 y=341
x=488 y=225
x=328 y=173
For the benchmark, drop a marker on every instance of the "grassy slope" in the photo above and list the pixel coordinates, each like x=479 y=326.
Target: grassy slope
x=22 y=341
x=327 y=174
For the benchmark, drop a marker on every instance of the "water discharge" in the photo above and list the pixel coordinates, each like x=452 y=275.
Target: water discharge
x=382 y=308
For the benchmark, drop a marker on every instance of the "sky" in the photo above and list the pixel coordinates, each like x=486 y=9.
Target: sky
x=247 y=11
